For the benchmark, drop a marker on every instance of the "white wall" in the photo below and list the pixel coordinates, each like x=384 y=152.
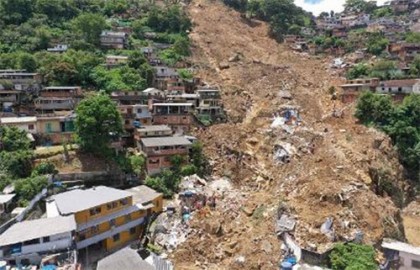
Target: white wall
x=52 y=210
x=406 y=259
x=24 y=127
x=57 y=242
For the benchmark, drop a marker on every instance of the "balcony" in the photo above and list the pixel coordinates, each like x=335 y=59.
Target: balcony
x=102 y=236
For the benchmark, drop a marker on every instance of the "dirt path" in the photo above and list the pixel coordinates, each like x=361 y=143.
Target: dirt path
x=331 y=180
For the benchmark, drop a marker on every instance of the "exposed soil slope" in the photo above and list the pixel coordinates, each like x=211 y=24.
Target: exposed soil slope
x=328 y=176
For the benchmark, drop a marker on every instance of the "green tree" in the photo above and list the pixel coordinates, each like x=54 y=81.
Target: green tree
x=97 y=122
x=412 y=37
x=90 y=26
x=385 y=70
x=360 y=6
x=199 y=160
x=374 y=109
x=28 y=62
x=353 y=257
x=13 y=139
x=15 y=11
x=415 y=67
x=28 y=188
x=358 y=71
x=377 y=44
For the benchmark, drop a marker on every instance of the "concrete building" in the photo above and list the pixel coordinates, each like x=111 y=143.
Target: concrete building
x=401 y=87
x=59 y=48
x=114 y=40
x=401 y=256
x=105 y=217
x=22 y=81
x=115 y=60
x=177 y=115
x=135 y=116
x=27 y=241
x=158 y=152
x=27 y=124
x=210 y=104
x=152 y=131
x=353 y=88
x=55 y=128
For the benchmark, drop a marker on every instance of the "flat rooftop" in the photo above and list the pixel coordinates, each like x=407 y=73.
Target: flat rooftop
x=172 y=104
x=154 y=128
x=18 y=120
x=34 y=229
x=78 y=200
x=165 y=141
x=143 y=194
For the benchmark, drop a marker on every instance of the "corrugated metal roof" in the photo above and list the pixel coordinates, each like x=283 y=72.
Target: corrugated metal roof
x=78 y=200
x=125 y=258
x=165 y=141
x=34 y=229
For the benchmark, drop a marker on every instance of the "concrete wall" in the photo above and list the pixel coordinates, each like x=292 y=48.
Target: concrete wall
x=406 y=261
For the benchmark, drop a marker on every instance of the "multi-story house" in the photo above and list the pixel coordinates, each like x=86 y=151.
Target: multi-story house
x=115 y=60
x=135 y=115
x=210 y=104
x=401 y=255
x=27 y=242
x=74 y=92
x=114 y=40
x=163 y=75
x=184 y=98
x=130 y=98
x=8 y=98
x=353 y=88
x=105 y=217
x=406 y=52
x=22 y=81
x=160 y=150
x=151 y=131
x=176 y=115
x=52 y=104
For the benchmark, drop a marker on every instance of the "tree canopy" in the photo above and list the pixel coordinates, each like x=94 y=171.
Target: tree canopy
x=353 y=257
x=98 y=121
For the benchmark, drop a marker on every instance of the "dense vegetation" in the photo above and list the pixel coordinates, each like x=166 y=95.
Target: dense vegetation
x=28 y=28
x=353 y=257
x=283 y=16
x=16 y=165
x=400 y=121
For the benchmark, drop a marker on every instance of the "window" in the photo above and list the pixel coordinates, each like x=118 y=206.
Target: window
x=133 y=230
x=139 y=110
x=109 y=206
x=153 y=161
x=31 y=242
x=45 y=239
x=399 y=89
x=94 y=229
x=124 y=201
x=48 y=127
x=95 y=211
x=114 y=204
x=383 y=88
x=127 y=122
x=415 y=264
x=31 y=127
x=127 y=218
x=116 y=237
x=389 y=89
x=112 y=222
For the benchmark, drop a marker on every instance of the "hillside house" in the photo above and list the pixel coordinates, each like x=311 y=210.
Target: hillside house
x=151 y=131
x=399 y=6
x=340 y=31
x=399 y=88
x=184 y=98
x=59 y=48
x=114 y=40
x=159 y=150
x=61 y=92
x=105 y=217
x=115 y=60
x=125 y=258
x=406 y=52
x=163 y=75
x=135 y=116
x=53 y=129
x=130 y=98
x=176 y=115
x=401 y=255
x=353 y=88
x=52 y=104
x=8 y=98
x=210 y=104
x=27 y=241
x=22 y=81
x=27 y=124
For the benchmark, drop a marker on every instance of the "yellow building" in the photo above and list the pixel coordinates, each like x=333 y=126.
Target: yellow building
x=105 y=216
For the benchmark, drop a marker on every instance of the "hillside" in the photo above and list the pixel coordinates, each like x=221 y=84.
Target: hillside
x=333 y=172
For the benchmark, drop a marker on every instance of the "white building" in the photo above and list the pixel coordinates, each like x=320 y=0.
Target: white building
x=402 y=255
x=399 y=87
x=27 y=124
x=25 y=242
